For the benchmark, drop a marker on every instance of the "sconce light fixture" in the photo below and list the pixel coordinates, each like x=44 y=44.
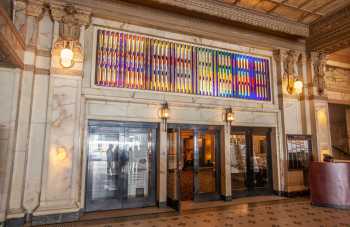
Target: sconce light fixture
x=229 y=116
x=164 y=114
x=67 y=55
x=295 y=85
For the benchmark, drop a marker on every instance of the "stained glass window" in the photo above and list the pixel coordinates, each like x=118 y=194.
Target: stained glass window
x=139 y=62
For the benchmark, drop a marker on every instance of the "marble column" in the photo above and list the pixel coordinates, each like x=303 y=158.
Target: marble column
x=318 y=106
x=61 y=161
x=27 y=16
x=162 y=166
x=226 y=189
x=38 y=123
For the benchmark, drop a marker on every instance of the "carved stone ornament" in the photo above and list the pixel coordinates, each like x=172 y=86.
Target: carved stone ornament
x=319 y=63
x=71 y=19
x=35 y=8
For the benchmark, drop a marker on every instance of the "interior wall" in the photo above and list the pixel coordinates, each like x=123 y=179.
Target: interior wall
x=338 y=127
x=9 y=89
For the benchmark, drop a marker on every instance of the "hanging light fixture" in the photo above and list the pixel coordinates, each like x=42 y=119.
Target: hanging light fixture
x=164 y=114
x=229 y=115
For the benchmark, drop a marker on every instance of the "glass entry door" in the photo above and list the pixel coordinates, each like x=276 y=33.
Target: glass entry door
x=120 y=165
x=193 y=170
x=250 y=161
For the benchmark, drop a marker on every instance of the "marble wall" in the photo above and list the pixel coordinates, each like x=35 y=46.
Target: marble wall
x=9 y=92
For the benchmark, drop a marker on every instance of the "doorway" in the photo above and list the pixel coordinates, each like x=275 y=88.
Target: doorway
x=251 y=171
x=121 y=165
x=193 y=164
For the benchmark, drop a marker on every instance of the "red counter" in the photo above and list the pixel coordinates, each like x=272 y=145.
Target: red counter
x=330 y=184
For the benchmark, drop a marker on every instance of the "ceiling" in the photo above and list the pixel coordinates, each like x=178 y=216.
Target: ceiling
x=340 y=56
x=303 y=11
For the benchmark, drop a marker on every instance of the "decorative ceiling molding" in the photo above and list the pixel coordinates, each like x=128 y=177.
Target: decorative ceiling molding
x=237 y=14
x=331 y=33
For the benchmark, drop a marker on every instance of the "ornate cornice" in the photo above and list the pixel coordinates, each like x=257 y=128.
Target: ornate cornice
x=331 y=33
x=238 y=14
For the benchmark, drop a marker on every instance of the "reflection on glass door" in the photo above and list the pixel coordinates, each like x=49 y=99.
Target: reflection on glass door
x=205 y=167
x=250 y=161
x=121 y=165
x=238 y=149
x=260 y=161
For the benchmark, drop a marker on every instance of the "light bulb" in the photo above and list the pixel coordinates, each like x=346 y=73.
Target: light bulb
x=67 y=57
x=298 y=86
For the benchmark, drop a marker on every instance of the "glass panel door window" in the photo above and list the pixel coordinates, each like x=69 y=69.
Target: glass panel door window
x=206 y=171
x=238 y=149
x=121 y=165
x=250 y=161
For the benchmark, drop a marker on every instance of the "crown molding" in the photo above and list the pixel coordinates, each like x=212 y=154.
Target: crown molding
x=235 y=14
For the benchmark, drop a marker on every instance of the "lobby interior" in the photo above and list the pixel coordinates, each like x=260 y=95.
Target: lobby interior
x=174 y=113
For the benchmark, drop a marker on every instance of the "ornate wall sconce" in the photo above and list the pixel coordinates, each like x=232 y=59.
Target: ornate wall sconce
x=67 y=54
x=229 y=116
x=164 y=114
x=295 y=85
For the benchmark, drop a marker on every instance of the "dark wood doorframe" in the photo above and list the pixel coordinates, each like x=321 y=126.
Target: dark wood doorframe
x=249 y=132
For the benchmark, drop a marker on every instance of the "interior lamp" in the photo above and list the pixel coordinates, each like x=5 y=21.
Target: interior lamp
x=164 y=114
x=230 y=116
x=66 y=56
x=295 y=86
x=298 y=86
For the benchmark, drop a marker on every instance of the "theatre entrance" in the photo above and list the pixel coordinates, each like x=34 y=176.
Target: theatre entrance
x=193 y=164
x=251 y=171
x=121 y=165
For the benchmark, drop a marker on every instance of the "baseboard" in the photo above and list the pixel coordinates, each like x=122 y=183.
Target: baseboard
x=226 y=198
x=292 y=194
x=162 y=204
x=330 y=205
x=55 y=218
x=14 y=222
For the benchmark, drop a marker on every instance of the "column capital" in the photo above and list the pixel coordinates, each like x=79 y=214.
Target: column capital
x=71 y=18
x=35 y=8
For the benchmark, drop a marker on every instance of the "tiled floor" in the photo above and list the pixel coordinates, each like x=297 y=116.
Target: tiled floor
x=274 y=214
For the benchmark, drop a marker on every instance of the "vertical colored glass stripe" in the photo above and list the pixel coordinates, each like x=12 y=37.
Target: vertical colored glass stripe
x=133 y=61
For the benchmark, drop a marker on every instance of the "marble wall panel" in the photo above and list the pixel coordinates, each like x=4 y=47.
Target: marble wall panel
x=45 y=33
x=9 y=91
x=63 y=133
x=292 y=116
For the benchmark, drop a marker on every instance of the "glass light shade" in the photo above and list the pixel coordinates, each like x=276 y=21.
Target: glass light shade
x=298 y=86
x=66 y=57
x=230 y=116
x=164 y=112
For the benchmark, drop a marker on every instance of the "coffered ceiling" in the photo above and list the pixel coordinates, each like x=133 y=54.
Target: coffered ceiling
x=304 y=11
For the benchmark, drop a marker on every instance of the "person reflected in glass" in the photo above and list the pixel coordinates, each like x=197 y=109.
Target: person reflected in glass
x=109 y=159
